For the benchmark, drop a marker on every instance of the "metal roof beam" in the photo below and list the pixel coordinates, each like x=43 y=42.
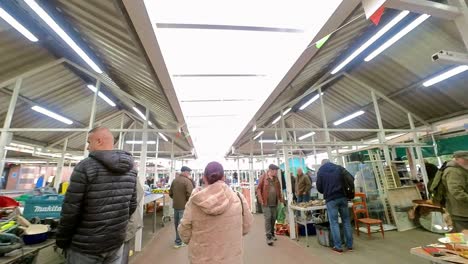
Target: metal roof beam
x=434 y=9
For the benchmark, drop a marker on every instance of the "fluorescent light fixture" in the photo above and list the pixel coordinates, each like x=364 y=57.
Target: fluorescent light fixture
x=52 y=24
x=259 y=134
x=141 y=115
x=306 y=135
x=398 y=36
x=271 y=141
x=276 y=120
x=139 y=142
x=369 y=42
x=285 y=112
x=351 y=116
x=446 y=75
x=100 y=94
x=163 y=136
x=254 y=128
x=14 y=23
x=52 y=114
x=313 y=99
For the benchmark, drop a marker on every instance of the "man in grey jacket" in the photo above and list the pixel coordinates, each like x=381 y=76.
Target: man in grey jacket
x=99 y=201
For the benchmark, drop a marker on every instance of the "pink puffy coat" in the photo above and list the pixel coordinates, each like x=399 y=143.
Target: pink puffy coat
x=213 y=225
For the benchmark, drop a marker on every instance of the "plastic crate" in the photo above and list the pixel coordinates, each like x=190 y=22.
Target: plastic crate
x=324 y=235
x=44 y=206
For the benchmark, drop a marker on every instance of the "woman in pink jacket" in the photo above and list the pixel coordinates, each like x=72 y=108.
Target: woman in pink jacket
x=215 y=219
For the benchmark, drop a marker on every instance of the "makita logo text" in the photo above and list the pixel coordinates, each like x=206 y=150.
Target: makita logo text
x=50 y=208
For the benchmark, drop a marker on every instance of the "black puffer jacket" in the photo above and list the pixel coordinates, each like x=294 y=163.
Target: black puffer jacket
x=98 y=203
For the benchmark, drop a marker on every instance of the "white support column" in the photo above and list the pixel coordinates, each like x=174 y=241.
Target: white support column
x=436 y=151
x=325 y=125
x=420 y=159
x=6 y=136
x=381 y=134
x=59 y=172
x=93 y=115
x=155 y=179
x=122 y=119
x=292 y=223
x=142 y=178
x=172 y=173
x=253 y=205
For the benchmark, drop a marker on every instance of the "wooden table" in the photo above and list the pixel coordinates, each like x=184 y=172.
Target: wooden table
x=27 y=251
x=449 y=259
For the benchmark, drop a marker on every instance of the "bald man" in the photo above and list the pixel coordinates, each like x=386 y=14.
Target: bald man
x=99 y=201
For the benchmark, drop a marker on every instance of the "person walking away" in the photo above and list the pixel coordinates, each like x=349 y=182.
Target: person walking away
x=303 y=187
x=98 y=204
x=455 y=180
x=269 y=193
x=134 y=224
x=180 y=191
x=215 y=220
x=329 y=182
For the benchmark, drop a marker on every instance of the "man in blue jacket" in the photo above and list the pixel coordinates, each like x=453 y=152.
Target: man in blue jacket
x=330 y=184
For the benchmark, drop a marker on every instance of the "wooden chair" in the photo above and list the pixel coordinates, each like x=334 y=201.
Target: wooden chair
x=360 y=207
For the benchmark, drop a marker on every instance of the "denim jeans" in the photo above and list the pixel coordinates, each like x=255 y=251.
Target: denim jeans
x=112 y=257
x=340 y=206
x=178 y=214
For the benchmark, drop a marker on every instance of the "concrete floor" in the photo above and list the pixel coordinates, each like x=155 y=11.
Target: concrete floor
x=393 y=249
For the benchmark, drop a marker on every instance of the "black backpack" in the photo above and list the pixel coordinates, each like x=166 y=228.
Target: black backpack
x=437 y=189
x=347 y=181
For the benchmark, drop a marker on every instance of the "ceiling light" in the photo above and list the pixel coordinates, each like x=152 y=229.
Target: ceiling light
x=163 y=137
x=313 y=99
x=141 y=115
x=398 y=36
x=351 y=116
x=139 y=142
x=306 y=135
x=369 y=42
x=103 y=96
x=445 y=75
x=276 y=120
x=14 y=23
x=270 y=141
x=285 y=112
x=44 y=16
x=52 y=114
x=259 y=134
x=254 y=128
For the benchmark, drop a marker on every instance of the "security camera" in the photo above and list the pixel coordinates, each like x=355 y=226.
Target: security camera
x=450 y=57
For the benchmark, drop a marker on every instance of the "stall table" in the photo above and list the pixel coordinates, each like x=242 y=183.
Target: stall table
x=20 y=255
x=309 y=209
x=153 y=198
x=449 y=259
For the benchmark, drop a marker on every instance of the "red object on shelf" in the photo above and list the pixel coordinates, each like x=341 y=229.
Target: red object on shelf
x=6 y=201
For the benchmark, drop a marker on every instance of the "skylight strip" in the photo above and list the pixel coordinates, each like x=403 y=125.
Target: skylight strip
x=369 y=42
x=141 y=115
x=313 y=99
x=306 y=135
x=52 y=24
x=163 y=136
x=351 y=116
x=17 y=25
x=445 y=75
x=259 y=134
x=52 y=114
x=398 y=36
x=103 y=96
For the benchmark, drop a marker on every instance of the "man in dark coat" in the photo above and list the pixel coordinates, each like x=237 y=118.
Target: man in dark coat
x=98 y=203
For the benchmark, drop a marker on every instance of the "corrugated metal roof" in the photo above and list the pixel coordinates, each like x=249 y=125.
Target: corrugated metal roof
x=397 y=73
x=62 y=88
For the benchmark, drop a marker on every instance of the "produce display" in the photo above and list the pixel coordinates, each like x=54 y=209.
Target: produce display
x=310 y=203
x=163 y=191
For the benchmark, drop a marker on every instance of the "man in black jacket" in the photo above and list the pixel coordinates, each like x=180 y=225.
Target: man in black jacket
x=99 y=201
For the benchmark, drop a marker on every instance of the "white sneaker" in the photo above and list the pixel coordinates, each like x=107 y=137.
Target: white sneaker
x=180 y=245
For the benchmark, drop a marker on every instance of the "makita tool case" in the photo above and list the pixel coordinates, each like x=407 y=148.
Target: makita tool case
x=43 y=206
